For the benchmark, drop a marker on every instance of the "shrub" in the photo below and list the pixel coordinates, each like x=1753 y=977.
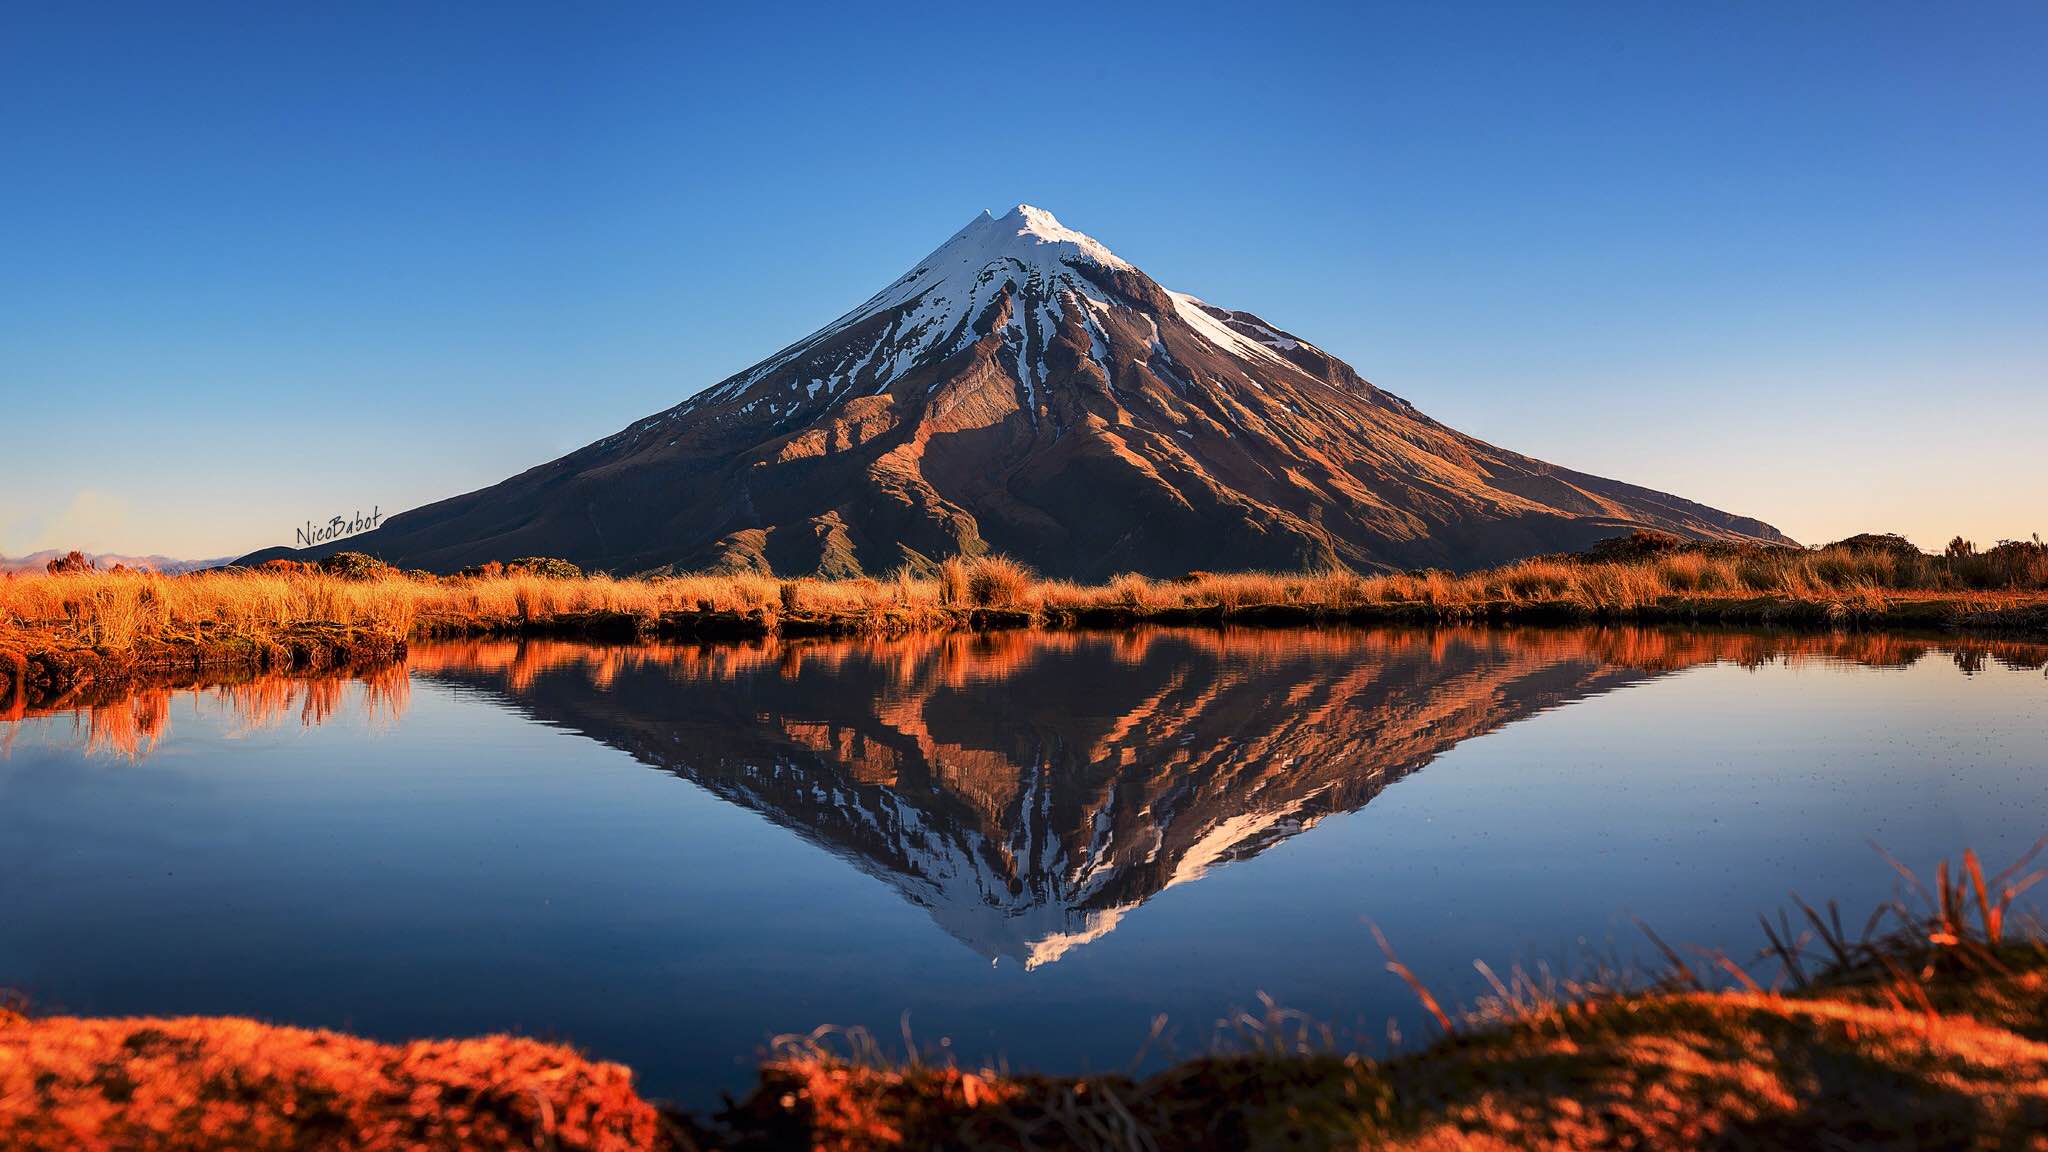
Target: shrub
x=355 y=566
x=550 y=567
x=1640 y=544
x=1882 y=543
x=2008 y=564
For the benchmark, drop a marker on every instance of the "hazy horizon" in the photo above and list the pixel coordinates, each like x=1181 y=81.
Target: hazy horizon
x=273 y=266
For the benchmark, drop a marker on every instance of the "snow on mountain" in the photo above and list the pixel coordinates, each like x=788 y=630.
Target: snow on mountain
x=932 y=305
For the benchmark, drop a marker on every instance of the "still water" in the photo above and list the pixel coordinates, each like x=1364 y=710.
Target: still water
x=1026 y=846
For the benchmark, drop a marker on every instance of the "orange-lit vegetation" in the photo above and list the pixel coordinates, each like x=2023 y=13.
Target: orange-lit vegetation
x=208 y=1083
x=1928 y=1028
x=1863 y=581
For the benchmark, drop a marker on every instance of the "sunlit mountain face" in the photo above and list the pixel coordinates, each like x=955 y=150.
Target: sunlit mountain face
x=1029 y=790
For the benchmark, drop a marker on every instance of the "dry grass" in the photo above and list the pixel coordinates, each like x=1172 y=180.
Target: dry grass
x=212 y=1083
x=118 y=609
x=115 y=610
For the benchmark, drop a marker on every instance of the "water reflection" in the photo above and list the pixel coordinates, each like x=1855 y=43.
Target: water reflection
x=472 y=842
x=1029 y=789
x=128 y=722
x=1026 y=789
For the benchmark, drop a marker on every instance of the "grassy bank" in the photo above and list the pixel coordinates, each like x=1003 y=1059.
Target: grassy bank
x=59 y=629
x=1929 y=1029
x=219 y=1084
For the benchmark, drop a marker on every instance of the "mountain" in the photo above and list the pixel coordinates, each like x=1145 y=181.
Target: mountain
x=37 y=561
x=1025 y=390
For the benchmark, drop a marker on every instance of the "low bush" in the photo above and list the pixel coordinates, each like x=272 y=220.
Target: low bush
x=355 y=566
x=550 y=567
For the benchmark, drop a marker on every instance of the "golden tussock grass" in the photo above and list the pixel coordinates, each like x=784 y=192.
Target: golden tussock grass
x=220 y=1083
x=116 y=610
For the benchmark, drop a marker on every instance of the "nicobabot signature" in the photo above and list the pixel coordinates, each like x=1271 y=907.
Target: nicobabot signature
x=338 y=527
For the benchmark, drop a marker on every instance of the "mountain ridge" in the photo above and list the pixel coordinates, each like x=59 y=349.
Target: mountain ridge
x=1022 y=389
x=170 y=565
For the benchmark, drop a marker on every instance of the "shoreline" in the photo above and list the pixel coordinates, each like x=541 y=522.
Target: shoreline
x=39 y=668
x=74 y=626
x=45 y=677
x=1957 y=615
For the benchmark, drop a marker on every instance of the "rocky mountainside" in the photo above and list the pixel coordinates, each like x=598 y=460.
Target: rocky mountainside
x=1024 y=390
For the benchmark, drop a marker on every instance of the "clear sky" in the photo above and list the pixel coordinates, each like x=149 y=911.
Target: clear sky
x=266 y=263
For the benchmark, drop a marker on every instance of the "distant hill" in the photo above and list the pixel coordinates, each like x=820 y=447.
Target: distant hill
x=36 y=561
x=1024 y=390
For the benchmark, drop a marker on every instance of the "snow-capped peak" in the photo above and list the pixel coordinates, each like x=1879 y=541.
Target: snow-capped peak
x=934 y=303
x=1041 y=227
x=1026 y=235
x=1048 y=271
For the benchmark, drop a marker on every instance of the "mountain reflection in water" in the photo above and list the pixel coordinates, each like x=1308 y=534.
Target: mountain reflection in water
x=1029 y=789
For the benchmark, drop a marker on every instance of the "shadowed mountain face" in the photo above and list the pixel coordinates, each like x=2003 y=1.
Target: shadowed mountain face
x=1029 y=790
x=1025 y=390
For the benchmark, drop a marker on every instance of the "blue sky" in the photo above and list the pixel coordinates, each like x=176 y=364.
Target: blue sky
x=267 y=263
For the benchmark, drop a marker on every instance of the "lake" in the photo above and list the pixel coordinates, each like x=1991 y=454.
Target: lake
x=1019 y=846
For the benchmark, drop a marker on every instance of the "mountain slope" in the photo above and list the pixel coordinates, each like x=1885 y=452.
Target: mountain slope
x=1024 y=390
